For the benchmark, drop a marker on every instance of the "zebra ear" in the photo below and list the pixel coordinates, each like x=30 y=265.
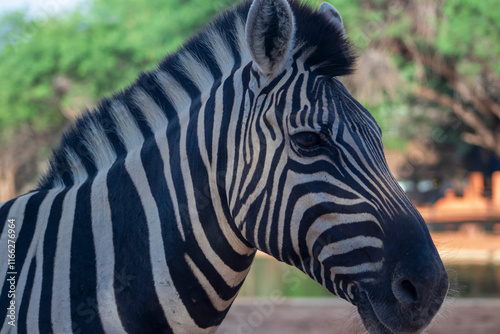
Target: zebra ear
x=332 y=14
x=269 y=33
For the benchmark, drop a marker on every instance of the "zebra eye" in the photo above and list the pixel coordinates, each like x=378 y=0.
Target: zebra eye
x=307 y=139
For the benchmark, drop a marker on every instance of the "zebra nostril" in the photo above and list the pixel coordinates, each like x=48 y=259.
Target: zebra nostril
x=405 y=291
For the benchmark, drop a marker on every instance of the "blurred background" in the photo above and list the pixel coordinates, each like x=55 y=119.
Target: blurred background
x=428 y=70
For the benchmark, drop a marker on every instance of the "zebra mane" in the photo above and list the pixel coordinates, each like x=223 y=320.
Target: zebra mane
x=331 y=53
x=119 y=122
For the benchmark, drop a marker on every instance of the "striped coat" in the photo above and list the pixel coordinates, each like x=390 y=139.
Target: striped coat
x=156 y=201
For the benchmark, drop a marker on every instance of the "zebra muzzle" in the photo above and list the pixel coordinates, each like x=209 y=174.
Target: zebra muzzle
x=405 y=304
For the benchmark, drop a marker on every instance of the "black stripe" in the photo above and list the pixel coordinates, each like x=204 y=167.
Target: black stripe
x=136 y=298
x=338 y=233
x=137 y=114
x=206 y=211
x=24 y=238
x=192 y=294
x=4 y=211
x=252 y=217
x=147 y=82
x=23 y=310
x=79 y=147
x=365 y=183
x=104 y=118
x=245 y=79
x=208 y=218
x=268 y=125
x=355 y=257
x=49 y=253
x=174 y=69
x=273 y=237
x=209 y=115
x=83 y=273
x=228 y=101
x=296 y=103
x=200 y=49
x=154 y=169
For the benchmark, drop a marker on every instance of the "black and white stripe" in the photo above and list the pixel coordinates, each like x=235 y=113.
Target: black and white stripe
x=156 y=201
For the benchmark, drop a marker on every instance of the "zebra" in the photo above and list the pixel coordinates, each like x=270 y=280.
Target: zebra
x=156 y=201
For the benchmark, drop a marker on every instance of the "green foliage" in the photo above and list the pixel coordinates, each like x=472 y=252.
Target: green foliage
x=100 y=50
x=470 y=31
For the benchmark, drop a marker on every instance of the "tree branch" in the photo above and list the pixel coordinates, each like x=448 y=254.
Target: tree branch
x=485 y=104
x=483 y=136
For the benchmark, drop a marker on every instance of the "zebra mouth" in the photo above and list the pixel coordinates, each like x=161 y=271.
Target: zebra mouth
x=369 y=317
x=369 y=313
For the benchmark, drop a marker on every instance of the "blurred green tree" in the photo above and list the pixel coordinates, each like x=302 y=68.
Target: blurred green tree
x=52 y=68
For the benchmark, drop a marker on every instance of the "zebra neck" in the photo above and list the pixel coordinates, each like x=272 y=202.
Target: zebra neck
x=161 y=100
x=161 y=147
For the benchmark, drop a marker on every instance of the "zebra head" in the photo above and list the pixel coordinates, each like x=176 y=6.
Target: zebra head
x=315 y=190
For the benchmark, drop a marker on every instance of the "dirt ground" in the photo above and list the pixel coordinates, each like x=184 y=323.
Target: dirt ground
x=335 y=316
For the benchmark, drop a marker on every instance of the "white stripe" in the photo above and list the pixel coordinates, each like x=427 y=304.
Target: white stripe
x=329 y=220
x=162 y=144
x=176 y=94
x=214 y=176
x=159 y=122
x=16 y=212
x=326 y=221
x=348 y=245
x=350 y=295
x=61 y=297
x=231 y=277
x=276 y=191
x=259 y=220
x=253 y=138
x=37 y=246
x=382 y=199
x=102 y=231
x=181 y=101
x=326 y=113
x=75 y=166
x=154 y=115
x=284 y=192
x=262 y=168
x=98 y=145
x=221 y=51
x=231 y=135
x=239 y=97
x=311 y=199
x=321 y=224
x=218 y=303
x=167 y=295
x=197 y=71
x=241 y=150
x=241 y=40
x=126 y=126
x=370 y=267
